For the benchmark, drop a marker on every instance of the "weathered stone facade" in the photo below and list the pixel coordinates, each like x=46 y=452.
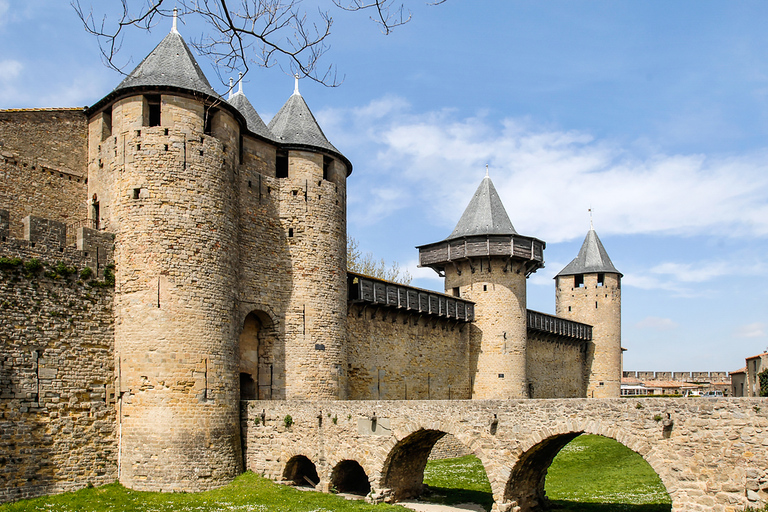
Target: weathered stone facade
x=710 y=454
x=57 y=399
x=231 y=284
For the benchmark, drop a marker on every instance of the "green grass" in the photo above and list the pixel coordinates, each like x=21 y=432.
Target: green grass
x=461 y=480
x=596 y=474
x=248 y=493
x=591 y=474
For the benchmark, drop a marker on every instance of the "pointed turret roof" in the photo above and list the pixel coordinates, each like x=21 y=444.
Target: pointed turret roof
x=252 y=118
x=485 y=214
x=592 y=258
x=170 y=64
x=295 y=124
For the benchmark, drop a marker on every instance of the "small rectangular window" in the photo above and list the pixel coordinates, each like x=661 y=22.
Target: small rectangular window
x=578 y=281
x=106 y=129
x=600 y=279
x=281 y=165
x=136 y=193
x=153 y=110
x=327 y=161
x=456 y=292
x=208 y=129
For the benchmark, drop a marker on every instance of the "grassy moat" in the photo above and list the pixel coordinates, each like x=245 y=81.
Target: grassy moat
x=591 y=474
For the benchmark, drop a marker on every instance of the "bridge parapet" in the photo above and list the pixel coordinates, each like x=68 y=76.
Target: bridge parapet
x=709 y=453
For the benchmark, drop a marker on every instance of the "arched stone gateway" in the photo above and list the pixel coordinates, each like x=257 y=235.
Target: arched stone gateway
x=349 y=477
x=709 y=453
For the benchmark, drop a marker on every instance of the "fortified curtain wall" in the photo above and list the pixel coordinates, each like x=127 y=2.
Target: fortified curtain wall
x=555 y=367
x=57 y=401
x=42 y=165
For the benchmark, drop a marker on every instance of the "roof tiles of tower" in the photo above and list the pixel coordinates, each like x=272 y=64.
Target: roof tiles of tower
x=592 y=258
x=255 y=124
x=295 y=124
x=170 y=64
x=485 y=214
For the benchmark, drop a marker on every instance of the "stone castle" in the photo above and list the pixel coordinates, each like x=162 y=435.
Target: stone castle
x=165 y=254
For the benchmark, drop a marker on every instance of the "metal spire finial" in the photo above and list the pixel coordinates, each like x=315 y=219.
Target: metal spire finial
x=296 y=86
x=486 y=170
x=591 y=224
x=175 y=29
x=230 y=89
x=240 y=83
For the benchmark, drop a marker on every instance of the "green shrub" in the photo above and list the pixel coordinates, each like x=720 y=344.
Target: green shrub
x=288 y=421
x=9 y=263
x=86 y=273
x=763 y=382
x=33 y=266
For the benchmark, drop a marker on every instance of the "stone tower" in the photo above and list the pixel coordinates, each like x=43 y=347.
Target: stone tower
x=486 y=261
x=588 y=290
x=313 y=213
x=163 y=152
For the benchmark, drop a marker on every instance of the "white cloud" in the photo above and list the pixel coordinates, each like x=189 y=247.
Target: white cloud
x=548 y=178
x=9 y=68
x=754 y=330
x=656 y=323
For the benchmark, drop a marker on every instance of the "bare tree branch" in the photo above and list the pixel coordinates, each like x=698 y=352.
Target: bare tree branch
x=241 y=32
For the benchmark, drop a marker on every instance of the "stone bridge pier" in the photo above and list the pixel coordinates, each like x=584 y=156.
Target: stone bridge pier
x=711 y=454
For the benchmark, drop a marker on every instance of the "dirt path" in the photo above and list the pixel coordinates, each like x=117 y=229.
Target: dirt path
x=420 y=506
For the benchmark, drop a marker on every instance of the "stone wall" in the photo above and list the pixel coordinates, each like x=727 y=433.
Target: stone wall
x=498 y=334
x=53 y=138
x=57 y=409
x=710 y=455
x=555 y=366
x=396 y=355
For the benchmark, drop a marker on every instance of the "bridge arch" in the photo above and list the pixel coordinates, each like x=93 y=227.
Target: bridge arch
x=349 y=476
x=403 y=468
x=525 y=485
x=301 y=471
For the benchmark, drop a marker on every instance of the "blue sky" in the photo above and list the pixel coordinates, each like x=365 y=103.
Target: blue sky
x=654 y=114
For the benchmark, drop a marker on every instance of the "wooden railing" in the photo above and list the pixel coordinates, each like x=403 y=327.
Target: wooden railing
x=365 y=289
x=543 y=322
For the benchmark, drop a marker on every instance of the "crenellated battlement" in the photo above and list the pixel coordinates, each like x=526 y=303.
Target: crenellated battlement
x=46 y=240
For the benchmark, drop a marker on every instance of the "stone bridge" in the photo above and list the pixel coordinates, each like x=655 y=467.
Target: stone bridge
x=711 y=454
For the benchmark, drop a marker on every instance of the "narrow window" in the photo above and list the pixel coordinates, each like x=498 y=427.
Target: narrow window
x=326 y=166
x=456 y=291
x=106 y=129
x=485 y=287
x=166 y=131
x=569 y=309
x=136 y=193
x=208 y=130
x=240 y=151
x=153 y=110
x=595 y=304
x=96 y=215
x=290 y=232
x=281 y=165
x=600 y=279
x=578 y=281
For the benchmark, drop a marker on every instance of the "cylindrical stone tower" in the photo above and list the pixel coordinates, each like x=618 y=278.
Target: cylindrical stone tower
x=484 y=260
x=164 y=175
x=312 y=193
x=588 y=290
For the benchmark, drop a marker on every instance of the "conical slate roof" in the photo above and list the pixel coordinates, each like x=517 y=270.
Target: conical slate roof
x=485 y=214
x=295 y=124
x=592 y=258
x=170 y=64
x=255 y=124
